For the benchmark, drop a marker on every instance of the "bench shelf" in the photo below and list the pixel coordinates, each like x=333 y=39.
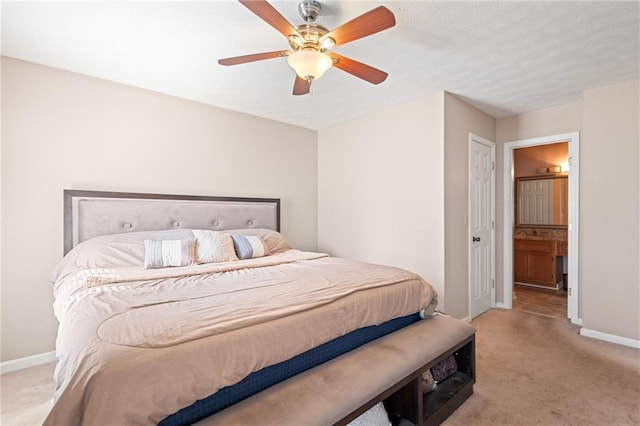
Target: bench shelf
x=409 y=406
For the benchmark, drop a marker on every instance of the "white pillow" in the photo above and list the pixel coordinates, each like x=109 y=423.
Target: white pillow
x=164 y=253
x=214 y=246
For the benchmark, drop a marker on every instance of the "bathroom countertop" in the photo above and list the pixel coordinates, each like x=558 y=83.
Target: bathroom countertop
x=540 y=234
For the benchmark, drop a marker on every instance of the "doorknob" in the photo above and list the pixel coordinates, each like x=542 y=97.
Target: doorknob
x=475 y=239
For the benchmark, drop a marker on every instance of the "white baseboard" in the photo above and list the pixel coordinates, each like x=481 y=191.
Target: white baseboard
x=26 y=362
x=501 y=305
x=466 y=319
x=577 y=321
x=612 y=338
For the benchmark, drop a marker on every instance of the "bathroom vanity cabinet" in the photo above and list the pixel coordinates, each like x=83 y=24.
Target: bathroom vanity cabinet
x=538 y=262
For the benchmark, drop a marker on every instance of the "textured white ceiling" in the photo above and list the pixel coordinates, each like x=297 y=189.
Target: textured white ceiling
x=503 y=57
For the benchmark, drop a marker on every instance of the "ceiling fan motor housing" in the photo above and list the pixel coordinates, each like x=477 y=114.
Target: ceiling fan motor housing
x=309 y=37
x=309 y=10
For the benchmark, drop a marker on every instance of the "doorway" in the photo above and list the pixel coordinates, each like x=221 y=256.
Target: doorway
x=540 y=234
x=572 y=219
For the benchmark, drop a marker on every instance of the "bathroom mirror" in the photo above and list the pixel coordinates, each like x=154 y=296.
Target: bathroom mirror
x=542 y=201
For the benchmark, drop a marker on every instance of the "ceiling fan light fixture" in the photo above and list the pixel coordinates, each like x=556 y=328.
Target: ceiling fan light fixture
x=309 y=64
x=327 y=43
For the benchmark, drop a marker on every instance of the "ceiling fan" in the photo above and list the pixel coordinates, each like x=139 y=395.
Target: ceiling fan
x=309 y=55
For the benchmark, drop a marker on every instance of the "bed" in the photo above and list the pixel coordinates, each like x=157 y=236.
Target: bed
x=141 y=343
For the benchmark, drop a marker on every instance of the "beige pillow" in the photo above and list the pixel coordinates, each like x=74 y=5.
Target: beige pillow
x=214 y=246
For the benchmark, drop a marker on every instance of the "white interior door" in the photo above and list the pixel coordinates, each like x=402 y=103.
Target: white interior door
x=481 y=224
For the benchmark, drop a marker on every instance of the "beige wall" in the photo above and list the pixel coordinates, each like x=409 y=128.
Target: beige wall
x=460 y=119
x=63 y=130
x=545 y=122
x=610 y=212
x=381 y=189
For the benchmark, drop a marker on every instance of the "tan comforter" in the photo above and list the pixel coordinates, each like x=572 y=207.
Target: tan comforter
x=136 y=345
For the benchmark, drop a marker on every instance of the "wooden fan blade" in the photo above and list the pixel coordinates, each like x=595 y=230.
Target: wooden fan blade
x=301 y=86
x=250 y=58
x=267 y=13
x=371 y=22
x=358 y=69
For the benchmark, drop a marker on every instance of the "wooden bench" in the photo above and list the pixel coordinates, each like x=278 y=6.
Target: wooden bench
x=388 y=369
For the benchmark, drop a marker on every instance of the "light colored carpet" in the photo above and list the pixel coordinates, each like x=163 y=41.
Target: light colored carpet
x=531 y=370
x=25 y=395
x=536 y=370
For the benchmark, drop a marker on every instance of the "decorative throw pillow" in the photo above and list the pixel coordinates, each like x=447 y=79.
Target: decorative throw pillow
x=164 y=253
x=428 y=382
x=444 y=368
x=274 y=241
x=214 y=246
x=249 y=246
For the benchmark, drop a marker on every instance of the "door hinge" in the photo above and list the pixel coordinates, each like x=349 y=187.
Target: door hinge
x=570 y=161
x=493 y=165
x=569 y=291
x=493 y=283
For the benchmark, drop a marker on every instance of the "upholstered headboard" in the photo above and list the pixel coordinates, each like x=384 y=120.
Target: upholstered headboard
x=89 y=214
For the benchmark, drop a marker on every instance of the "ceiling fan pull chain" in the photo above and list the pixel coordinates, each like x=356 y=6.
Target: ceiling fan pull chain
x=310 y=80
